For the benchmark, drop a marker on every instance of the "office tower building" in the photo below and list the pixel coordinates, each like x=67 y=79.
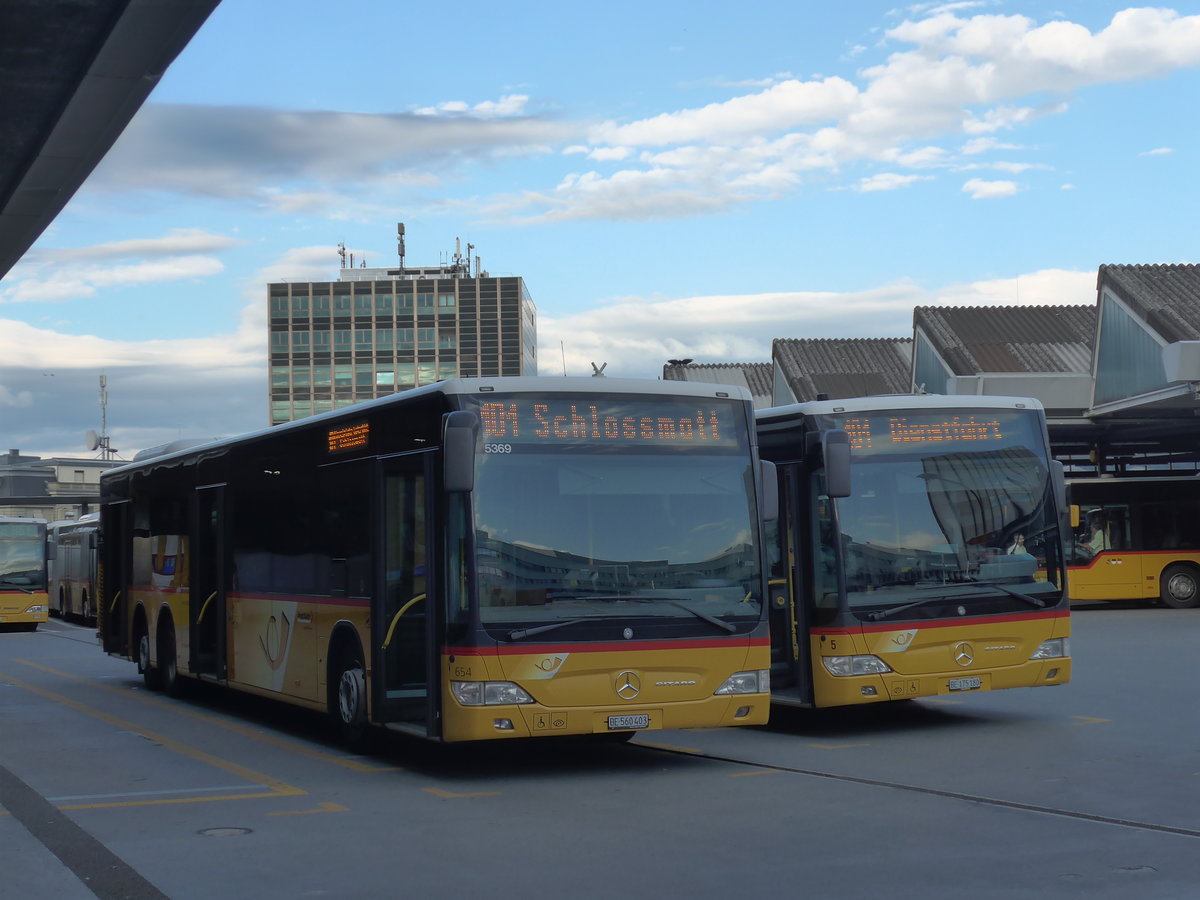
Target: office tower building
x=375 y=331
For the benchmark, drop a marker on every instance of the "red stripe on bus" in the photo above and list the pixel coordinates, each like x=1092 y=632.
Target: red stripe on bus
x=610 y=647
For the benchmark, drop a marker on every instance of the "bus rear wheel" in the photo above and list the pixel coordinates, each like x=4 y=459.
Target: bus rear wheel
x=150 y=674
x=168 y=661
x=1180 y=587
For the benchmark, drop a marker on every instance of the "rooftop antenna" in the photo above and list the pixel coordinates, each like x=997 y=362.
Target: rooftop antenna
x=341 y=248
x=100 y=441
x=400 y=242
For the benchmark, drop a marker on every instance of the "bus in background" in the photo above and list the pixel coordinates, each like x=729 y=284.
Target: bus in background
x=1137 y=537
x=23 y=553
x=476 y=559
x=919 y=549
x=72 y=571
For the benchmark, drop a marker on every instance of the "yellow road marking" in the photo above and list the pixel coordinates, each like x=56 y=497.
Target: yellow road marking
x=344 y=762
x=447 y=795
x=755 y=772
x=1088 y=720
x=277 y=787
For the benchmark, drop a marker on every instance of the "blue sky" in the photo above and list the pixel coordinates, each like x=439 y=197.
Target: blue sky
x=671 y=179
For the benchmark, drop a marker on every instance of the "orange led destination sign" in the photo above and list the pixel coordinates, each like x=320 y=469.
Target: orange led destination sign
x=618 y=422
x=868 y=433
x=349 y=437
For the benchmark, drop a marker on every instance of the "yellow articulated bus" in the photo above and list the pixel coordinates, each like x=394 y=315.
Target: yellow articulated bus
x=72 y=569
x=23 y=552
x=476 y=559
x=919 y=549
x=1137 y=537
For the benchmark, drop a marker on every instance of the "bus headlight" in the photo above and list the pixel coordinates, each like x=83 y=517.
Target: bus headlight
x=855 y=665
x=756 y=682
x=1056 y=648
x=489 y=693
x=36 y=609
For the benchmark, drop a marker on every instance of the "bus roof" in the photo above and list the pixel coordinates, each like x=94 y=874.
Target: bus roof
x=454 y=386
x=898 y=402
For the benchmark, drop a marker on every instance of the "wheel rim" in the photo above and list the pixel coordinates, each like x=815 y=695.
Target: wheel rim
x=144 y=652
x=350 y=705
x=1182 y=587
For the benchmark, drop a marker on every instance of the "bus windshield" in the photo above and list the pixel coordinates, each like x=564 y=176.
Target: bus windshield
x=944 y=508
x=22 y=549
x=634 y=509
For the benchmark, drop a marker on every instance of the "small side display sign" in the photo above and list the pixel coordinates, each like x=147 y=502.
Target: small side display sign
x=349 y=437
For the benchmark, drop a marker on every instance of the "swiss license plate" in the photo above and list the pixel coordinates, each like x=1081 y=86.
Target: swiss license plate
x=624 y=723
x=966 y=684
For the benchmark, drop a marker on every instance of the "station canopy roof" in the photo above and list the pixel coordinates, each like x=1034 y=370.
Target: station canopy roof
x=72 y=75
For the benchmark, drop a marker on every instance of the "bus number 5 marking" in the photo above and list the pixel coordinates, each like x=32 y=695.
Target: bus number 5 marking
x=462 y=672
x=497 y=448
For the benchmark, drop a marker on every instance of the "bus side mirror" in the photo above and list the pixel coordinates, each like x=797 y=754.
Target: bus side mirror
x=835 y=448
x=1074 y=516
x=92 y=540
x=460 y=431
x=51 y=551
x=770 y=490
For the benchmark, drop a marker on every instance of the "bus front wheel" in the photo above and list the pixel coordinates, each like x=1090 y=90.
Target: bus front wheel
x=1180 y=587
x=348 y=703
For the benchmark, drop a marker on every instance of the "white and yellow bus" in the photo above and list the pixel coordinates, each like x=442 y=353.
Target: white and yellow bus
x=477 y=559
x=1137 y=538
x=72 y=570
x=23 y=552
x=919 y=550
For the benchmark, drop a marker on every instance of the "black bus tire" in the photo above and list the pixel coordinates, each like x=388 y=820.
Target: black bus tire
x=348 y=697
x=168 y=660
x=150 y=674
x=1179 y=587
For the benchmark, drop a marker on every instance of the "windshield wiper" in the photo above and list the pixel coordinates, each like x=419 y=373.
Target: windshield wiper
x=19 y=587
x=956 y=594
x=519 y=634
x=712 y=620
x=1028 y=598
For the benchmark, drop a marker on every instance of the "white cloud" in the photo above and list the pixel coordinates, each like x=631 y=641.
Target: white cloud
x=888 y=181
x=15 y=398
x=778 y=108
x=635 y=336
x=987 y=190
x=1158 y=151
x=52 y=274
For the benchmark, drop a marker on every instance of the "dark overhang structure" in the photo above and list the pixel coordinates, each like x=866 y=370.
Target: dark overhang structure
x=72 y=75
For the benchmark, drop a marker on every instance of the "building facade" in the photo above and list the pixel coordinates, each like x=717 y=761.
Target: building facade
x=50 y=488
x=377 y=331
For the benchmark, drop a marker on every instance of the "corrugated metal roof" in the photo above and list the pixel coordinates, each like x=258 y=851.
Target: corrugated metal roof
x=841 y=368
x=755 y=377
x=1166 y=296
x=976 y=339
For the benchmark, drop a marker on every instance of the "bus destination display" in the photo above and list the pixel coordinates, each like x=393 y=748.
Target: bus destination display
x=549 y=421
x=874 y=433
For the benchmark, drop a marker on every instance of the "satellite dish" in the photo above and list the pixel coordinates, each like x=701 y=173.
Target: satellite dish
x=91 y=440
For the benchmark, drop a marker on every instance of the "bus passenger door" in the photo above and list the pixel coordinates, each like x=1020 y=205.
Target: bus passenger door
x=790 y=653
x=206 y=592
x=403 y=614
x=112 y=615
